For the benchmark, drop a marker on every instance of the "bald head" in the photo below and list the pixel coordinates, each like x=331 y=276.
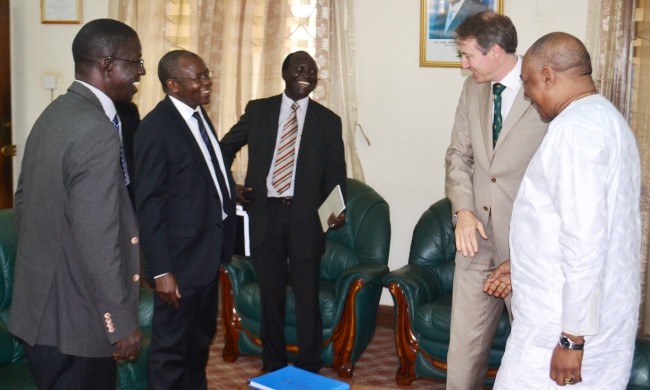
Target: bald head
x=561 y=52
x=556 y=72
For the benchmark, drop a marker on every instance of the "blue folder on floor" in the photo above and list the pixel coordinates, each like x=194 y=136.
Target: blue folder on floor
x=290 y=378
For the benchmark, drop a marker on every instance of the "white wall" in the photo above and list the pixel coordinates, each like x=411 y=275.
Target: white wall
x=38 y=50
x=407 y=111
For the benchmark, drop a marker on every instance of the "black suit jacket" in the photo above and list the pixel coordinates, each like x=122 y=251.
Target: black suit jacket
x=470 y=7
x=320 y=167
x=178 y=206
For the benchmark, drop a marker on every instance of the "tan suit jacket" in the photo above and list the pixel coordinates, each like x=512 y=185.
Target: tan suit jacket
x=483 y=179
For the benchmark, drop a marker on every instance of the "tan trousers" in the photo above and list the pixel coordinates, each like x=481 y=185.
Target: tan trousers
x=474 y=319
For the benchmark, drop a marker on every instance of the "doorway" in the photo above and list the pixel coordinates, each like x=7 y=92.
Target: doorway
x=7 y=150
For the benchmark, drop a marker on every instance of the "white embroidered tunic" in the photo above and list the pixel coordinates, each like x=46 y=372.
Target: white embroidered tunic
x=575 y=246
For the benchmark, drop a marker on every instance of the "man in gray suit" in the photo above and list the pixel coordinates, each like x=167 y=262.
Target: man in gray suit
x=75 y=297
x=495 y=135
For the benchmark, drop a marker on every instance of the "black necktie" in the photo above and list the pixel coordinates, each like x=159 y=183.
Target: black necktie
x=215 y=163
x=125 y=172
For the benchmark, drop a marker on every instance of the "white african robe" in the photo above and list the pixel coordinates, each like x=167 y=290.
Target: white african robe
x=575 y=246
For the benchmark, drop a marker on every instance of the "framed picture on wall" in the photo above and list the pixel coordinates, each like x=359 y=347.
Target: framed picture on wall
x=61 y=11
x=438 y=20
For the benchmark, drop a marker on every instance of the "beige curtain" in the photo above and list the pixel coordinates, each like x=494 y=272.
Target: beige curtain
x=641 y=129
x=242 y=41
x=610 y=41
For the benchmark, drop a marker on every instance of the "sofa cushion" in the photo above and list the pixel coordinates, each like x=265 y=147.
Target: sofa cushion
x=336 y=260
x=432 y=321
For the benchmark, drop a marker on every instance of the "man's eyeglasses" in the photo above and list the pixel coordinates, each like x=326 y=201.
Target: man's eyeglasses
x=198 y=79
x=139 y=62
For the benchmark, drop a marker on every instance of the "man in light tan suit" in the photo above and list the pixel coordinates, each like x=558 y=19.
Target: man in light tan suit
x=495 y=134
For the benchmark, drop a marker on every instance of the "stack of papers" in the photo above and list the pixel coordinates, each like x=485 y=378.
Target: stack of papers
x=290 y=378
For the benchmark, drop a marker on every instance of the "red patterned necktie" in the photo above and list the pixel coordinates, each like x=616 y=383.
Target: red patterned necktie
x=285 y=156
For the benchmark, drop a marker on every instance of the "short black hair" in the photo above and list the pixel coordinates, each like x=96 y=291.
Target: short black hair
x=287 y=60
x=489 y=29
x=167 y=65
x=100 y=38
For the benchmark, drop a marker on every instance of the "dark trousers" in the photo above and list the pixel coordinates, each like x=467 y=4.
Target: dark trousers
x=277 y=266
x=54 y=370
x=181 y=338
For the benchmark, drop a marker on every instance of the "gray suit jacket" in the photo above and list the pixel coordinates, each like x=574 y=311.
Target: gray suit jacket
x=485 y=179
x=76 y=281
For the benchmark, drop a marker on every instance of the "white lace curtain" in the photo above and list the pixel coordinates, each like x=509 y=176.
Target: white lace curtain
x=246 y=40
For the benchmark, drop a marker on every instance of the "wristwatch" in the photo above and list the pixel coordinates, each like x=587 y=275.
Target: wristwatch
x=567 y=343
x=454 y=219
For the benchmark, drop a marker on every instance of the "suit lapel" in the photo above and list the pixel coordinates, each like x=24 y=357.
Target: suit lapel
x=518 y=109
x=229 y=177
x=185 y=133
x=271 y=129
x=485 y=113
x=308 y=127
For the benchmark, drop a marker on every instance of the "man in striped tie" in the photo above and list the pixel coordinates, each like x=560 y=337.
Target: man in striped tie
x=296 y=159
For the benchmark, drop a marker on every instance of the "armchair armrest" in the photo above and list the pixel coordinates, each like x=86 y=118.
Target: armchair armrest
x=419 y=284
x=370 y=273
x=241 y=272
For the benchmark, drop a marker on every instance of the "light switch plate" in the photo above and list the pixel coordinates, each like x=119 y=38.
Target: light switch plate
x=49 y=82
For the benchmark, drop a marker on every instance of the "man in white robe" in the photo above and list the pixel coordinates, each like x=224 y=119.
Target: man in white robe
x=575 y=234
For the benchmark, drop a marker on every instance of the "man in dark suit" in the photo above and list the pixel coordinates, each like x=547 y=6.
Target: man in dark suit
x=285 y=184
x=445 y=23
x=75 y=303
x=186 y=208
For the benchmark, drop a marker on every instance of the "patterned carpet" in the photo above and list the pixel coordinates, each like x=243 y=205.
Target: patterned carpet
x=376 y=367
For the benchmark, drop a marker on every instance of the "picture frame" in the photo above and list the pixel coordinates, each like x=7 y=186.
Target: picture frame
x=437 y=45
x=61 y=11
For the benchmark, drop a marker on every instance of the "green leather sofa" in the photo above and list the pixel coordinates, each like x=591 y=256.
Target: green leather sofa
x=351 y=275
x=14 y=372
x=421 y=292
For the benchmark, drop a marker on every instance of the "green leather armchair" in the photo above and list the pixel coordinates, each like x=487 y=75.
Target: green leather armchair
x=351 y=275
x=14 y=371
x=421 y=292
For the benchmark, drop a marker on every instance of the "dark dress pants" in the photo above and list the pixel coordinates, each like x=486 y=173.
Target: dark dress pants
x=277 y=266
x=181 y=337
x=53 y=370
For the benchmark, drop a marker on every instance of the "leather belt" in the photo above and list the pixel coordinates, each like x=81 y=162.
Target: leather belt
x=285 y=200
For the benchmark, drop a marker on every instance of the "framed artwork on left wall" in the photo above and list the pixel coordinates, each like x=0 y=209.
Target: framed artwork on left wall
x=438 y=20
x=61 y=11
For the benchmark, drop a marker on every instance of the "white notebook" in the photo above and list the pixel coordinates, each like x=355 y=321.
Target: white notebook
x=333 y=204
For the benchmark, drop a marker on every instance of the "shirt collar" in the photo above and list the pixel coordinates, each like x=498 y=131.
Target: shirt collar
x=457 y=6
x=513 y=79
x=107 y=103
x=288 y=101
x=185 y=110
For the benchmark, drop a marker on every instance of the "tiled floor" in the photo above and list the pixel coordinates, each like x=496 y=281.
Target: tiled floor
x=376 y=367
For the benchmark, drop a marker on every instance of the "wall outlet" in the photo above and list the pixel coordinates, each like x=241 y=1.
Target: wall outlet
x=49 y=82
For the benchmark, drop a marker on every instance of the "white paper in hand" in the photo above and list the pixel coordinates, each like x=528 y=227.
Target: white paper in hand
x=333 y=204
